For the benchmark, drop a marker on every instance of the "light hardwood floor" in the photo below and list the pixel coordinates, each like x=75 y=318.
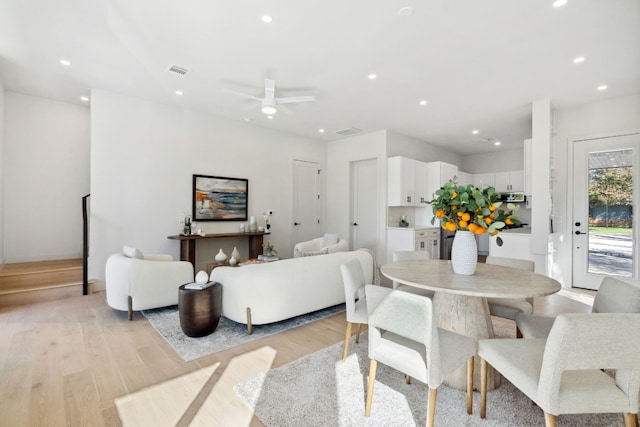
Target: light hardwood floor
x=63 y=362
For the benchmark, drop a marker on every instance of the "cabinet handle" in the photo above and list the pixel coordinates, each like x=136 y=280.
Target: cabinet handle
x=408 y=199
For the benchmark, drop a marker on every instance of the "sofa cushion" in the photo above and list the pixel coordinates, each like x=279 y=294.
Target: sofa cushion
x=131 y=252
x=329 y=239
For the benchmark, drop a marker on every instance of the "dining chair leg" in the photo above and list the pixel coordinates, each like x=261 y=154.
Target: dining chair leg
x=549 y=420
x=431 y=406
x=347 y=337
x=630 y=420
x=358 y=333
x=483 y=388
x=407 y=378
x=470 y=385
x=372 y=380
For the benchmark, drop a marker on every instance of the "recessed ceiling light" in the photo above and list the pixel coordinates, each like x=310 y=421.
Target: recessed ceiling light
x=179 y=93
x=372 y=76
x=84 y=98
x=475 y=132
x=497 y=143
x=266 y=18
x=405 y=11
x=270 y=117
x=65 y=62
x=423 y=102
x=559 y=3
x=602 y=87
x=321 y=130
x=578 y=60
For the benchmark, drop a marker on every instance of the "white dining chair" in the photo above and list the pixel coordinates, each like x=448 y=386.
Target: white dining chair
x=411 y=256
x=355 y=300
x=614 y=296
x=509 y=308
x=564 y=373
x=403 y=335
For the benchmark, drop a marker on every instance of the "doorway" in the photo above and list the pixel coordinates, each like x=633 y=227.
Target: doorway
x=364 y=204
x=306 y=200
x=605 y=196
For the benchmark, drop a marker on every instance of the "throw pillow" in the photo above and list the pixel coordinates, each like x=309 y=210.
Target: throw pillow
x=329 y=239
x=131 y=252
x=322 y=251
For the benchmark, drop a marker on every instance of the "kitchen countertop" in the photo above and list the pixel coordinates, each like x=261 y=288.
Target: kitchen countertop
x=414 y=228
x=516 y=231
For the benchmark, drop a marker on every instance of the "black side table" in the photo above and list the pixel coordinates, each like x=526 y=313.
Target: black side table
x=200 y=310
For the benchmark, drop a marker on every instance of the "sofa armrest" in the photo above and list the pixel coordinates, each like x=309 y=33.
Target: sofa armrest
x=158 y=257
x=341 y=246
x=308 y=246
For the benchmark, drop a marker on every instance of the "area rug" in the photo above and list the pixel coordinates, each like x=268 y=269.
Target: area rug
x=228 y=333
x=320 y=390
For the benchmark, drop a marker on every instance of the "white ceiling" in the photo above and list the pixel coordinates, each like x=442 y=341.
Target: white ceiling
x=479 y=63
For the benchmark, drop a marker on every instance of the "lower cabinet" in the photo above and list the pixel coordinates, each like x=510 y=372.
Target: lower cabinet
x=413 y=239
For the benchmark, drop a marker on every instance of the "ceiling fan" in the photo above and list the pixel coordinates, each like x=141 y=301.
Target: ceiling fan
x=269 y=104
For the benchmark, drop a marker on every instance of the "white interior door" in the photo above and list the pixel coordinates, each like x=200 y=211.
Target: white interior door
x=605 y=197
x=364 y=204
x=306 y=201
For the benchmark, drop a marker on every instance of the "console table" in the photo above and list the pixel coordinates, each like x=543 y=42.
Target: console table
x=188 y=243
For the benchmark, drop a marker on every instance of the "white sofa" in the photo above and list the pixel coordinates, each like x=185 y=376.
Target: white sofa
x=274 y=291
x=142 y=284
x=315 y=247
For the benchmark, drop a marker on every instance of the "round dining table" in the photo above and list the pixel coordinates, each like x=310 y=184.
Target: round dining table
x=460 y=302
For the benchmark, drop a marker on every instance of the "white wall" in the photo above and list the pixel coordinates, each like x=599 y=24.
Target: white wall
x=495 y=161
x=1 y=171
x=340 y=154
x=599 y=118
x=143 y=156
x=401 y=145
x=46 y=173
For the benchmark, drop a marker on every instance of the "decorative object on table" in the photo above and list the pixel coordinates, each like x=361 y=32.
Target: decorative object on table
x=186 y=224
x=269 y=249
x=220 y=256
x=253 y=225
x=472 y=211
x=233 y=261
x=202 y=277
x=242 y=227
x=235 y=253
x=217 y=198
x=404 y=221
x=266 y=215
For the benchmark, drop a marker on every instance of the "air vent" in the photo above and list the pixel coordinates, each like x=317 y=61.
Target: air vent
x=181 y=71
x=348 y=131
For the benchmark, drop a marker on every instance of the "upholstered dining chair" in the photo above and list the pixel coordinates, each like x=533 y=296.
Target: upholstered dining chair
x=410 y=256
x=614 y=296
x=563 y=374
x=403 y=335
x=509 y=308
x=355 y=300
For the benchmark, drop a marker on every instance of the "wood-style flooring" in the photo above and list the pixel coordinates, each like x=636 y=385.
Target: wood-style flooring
x=63 y=362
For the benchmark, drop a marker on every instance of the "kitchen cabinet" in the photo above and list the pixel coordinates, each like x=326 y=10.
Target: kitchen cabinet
x=482 y=180
x=406 y=182
x=409 y=239
x=438 y=173
x=515 y=244
x=464 y=178
x=527 y=167
x=509 y=182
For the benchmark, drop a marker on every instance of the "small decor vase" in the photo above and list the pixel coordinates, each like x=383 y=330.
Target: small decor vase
x=464 y=253
x=202 y=277
x=235 y=254
x=232 y=261
x=221 y=257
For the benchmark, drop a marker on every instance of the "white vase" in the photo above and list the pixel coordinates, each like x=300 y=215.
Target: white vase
x=464 y=253
x=221 y=257
x=202 y=277
x=235 y=254
x=253 y=226
x=232 y=261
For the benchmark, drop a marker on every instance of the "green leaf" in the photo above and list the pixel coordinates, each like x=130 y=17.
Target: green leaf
x=499 y=241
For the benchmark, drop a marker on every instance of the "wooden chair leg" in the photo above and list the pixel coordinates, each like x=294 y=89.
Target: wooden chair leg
x=358 y=333
x=518 y=333
x=470 y=385
x=630 y=420
x=549 y=420
x=347 y=337
x=407 y=378
x=130 y=307
x=249 y=324
x=431 y=406
x=483 y=388
x=372 y=379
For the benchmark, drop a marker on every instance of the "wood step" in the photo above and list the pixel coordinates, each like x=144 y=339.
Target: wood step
x=31 y=276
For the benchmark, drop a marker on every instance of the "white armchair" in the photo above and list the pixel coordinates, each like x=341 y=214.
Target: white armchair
x=144 y=283
x=320 y=246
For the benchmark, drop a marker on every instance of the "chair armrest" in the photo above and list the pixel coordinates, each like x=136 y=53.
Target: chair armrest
x=158 y=257
x=341 y=246
x=308 y=246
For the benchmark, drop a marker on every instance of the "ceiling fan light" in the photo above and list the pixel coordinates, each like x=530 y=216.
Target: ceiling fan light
x=269 y=109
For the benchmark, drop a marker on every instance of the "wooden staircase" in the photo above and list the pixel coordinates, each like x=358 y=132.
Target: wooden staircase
x=31 y=282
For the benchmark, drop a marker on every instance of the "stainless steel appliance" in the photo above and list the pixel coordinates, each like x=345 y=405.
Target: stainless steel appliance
x=446 y=242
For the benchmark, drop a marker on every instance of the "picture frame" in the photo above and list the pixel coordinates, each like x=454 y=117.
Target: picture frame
x=220 y=198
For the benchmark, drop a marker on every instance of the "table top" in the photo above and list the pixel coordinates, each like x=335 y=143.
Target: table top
x=489 y=280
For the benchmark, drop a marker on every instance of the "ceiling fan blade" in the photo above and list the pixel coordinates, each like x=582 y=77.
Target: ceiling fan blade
x=293 y=99
x=269 y=89
x=244 y=95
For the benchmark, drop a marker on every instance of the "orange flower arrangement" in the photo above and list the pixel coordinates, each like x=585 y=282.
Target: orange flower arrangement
x=471 y=209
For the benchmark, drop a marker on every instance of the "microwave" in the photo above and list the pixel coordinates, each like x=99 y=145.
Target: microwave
x=516 y=197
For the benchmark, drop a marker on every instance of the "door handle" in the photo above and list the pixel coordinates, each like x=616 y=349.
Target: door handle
x=579 y=232
x=296 y=223
x=355 y=223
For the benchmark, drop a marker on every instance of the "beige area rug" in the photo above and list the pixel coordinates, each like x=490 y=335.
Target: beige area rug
x=320 y=390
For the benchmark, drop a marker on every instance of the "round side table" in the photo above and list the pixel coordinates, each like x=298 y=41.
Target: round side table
x=200 y=310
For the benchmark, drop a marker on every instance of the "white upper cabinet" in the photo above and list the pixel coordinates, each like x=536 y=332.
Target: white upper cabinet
x=406 y=182
x=482 y=180
x=465 y=178
x=507 y=182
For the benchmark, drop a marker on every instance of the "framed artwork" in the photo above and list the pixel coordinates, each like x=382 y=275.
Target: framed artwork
x=219 y=198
